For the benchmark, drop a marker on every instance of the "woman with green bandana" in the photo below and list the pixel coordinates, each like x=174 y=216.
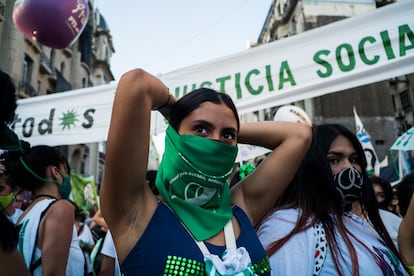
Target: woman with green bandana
x=200 y=227
x=48 y=240
x=7 y=194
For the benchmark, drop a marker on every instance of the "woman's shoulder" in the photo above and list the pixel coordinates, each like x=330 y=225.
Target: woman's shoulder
x=61 y=208
x=389 y=217
x=62 y=204
x=278 y=224
x=286 y=215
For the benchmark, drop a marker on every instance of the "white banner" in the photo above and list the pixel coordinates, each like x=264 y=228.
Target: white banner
x=364 y=49
x=75 y=117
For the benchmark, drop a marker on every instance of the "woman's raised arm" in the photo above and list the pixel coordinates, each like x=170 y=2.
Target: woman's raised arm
x=289 y=143
x=406 y=235
x=127 y=203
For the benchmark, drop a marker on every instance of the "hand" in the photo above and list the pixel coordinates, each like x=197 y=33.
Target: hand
x=166 y=109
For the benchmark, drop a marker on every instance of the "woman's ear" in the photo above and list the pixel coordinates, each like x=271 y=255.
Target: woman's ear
x=54 y=172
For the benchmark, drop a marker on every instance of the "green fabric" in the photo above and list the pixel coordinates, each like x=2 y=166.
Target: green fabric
x=246 y=169
x=9 y=139
x=411 y=269
x=6 y=200
x=193 y=180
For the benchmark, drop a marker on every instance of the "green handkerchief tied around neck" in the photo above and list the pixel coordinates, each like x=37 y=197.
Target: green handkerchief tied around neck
x=193 y=181
x=8 y=139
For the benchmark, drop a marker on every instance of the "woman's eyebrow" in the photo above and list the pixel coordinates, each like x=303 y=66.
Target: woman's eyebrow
x=337 y=153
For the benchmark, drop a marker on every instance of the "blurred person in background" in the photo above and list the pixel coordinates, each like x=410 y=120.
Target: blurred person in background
x=8 y=194
x=47 y=237
x=384 y=194
x=11 y=262
x=86 y=241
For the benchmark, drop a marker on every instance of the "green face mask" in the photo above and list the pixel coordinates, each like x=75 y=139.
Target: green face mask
x=193 y=181
x=6 y=200
x=65 y=188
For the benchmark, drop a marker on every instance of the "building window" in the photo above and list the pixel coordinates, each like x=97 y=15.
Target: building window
x=1 y=11
x=405 y=101
x=293 y=25
x=52 y=57
x=27 y=69
x=106 y=54
x=394 y=106
x=62 y=68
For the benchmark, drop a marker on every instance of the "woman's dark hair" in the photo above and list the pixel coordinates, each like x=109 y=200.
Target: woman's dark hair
x=7 y=99
x=37 y=159
x=79 y=213
x=8 y=234
x=386 y=187
x=151 y=176
x=313 y=192
x=405 y=190
x=191 y=101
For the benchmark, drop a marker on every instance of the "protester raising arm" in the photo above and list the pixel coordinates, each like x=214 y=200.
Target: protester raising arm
x=124 y=187
x=192 y=179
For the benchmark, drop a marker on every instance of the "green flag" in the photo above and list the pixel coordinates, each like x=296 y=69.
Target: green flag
x=84 y=192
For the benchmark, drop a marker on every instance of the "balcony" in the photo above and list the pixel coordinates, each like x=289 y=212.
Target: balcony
x=45 y=64
x=62 y=85
x=25 y=90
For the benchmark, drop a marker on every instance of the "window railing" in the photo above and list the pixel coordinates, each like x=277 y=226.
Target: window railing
x=27 y=89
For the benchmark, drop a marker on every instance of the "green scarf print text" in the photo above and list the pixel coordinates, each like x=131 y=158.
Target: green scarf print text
x=193 y=181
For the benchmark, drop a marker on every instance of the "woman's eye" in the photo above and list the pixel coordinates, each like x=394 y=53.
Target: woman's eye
x=333 y=161
x=229 y=136
x=354 y=160
x=201 y=130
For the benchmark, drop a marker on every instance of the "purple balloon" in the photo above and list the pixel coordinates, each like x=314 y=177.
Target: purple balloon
x=53 y=23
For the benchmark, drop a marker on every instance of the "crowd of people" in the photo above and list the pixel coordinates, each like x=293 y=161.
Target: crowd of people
x=308 y=207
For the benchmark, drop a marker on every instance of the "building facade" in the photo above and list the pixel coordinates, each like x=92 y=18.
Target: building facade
x=39 y=70
x=385 y=107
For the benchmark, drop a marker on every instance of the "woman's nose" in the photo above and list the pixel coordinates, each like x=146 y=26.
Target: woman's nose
x=346 y=165
x=215 y=136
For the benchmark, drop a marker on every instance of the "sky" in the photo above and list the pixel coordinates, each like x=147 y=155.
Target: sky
x=161 y=36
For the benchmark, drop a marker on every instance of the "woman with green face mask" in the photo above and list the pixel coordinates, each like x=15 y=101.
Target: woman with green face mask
x=47 y=235
x=200 y=226
x=7 y=195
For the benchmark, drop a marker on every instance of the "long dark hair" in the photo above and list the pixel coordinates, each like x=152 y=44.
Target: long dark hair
x=191 y=101
x=387 y=189
x=313 y=192
x=8 y=103
x=405 y=190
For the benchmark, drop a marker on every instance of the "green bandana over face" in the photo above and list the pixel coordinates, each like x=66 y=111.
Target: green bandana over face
x=9 y=139
x=193 y=181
